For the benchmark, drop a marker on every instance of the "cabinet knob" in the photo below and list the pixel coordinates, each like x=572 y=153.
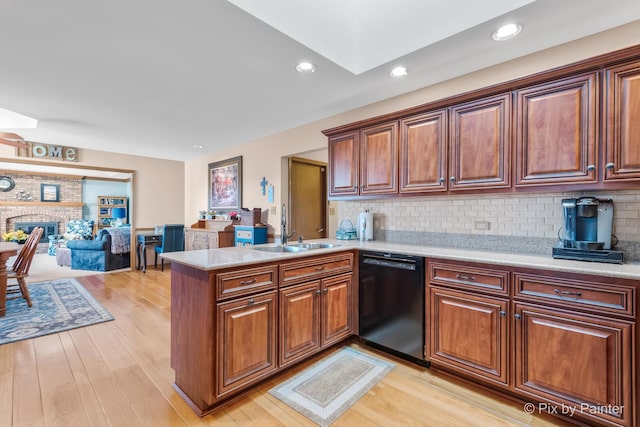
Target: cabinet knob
x=503 y=313
x=610 y=166
x=452 y=179
x=517 y=316
x=591 y=168
x=251 y=301
x=326 y=291
x=442 y=180
x=318 y=292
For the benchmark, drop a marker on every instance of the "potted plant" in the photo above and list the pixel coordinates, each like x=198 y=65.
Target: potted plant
x=15 y=236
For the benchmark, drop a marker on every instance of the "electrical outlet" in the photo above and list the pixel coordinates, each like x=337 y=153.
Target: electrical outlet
x=332 y=211
x=272 y=211
x=481 y=225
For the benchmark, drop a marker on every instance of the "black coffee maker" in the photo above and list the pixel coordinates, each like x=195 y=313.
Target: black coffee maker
x=587 y=231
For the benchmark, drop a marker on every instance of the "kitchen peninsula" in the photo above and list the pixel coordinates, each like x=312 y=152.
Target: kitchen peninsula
x=522 y=323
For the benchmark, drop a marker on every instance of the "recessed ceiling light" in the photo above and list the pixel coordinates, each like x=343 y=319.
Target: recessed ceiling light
x=398 y=72
x=506 y=32
x=198 y=146
x=306 y=67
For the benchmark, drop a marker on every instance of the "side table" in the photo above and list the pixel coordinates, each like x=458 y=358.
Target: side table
x=145 y=240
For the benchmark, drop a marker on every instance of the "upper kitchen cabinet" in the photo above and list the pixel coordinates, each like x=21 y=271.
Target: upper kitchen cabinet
x=556 y=132
x=379 y=159
x=423 y=153
x=622 y=133
x=480 y=137
x=344 y=158
x=364 y=162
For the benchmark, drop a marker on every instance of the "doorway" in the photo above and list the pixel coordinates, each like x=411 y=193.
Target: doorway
x=307 y=198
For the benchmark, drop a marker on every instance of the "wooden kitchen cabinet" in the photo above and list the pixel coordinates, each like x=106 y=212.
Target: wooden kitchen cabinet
x=317 y=312
x=622 y=126
x=557 y=132
x=365 y=161
x=469 y=334
x=423 y=153
x=468 y=319
x=480 y=144
x=344 y=158
x=299 y=321
x=246 y=341
x=576 y=360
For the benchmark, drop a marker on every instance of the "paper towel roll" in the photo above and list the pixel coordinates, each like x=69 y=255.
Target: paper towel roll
x=365 y=225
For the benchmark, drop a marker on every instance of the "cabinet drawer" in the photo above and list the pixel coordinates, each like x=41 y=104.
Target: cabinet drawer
x=244 y=234
x=469 y=277
x=312 y=268
x=582 y=294
x=244 y=282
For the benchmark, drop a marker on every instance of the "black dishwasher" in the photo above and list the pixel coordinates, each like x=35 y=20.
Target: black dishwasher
x=391 y=293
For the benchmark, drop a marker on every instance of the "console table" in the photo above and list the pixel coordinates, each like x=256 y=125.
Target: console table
x=7 y=250
x=145 y=239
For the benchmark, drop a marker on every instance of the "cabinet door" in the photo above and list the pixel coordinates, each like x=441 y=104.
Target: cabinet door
x=480 y=139
x=469 y=334
x=379 y=159
x=336 y=308
x=299 y=321
x=198 y=240
x=557 y=131
x=575 y=360
x=622 y=123
x=344 y=159
x=423 y=153
x=246 y=341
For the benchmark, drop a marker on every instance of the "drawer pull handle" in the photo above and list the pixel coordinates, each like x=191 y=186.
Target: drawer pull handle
x=251 y=301
x=249 y=282
x=558 y=291
x=467 y=278
x=320 y=268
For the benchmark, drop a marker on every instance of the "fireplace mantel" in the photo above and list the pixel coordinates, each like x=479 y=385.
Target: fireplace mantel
x=60 y=204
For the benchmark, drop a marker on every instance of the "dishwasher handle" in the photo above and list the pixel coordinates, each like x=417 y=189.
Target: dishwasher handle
x=388 y=260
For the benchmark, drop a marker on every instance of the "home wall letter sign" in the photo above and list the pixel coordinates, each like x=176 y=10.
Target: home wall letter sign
x=47 y=151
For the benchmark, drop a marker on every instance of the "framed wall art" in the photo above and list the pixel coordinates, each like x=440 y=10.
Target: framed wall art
x=49 y=192
x=225 y=184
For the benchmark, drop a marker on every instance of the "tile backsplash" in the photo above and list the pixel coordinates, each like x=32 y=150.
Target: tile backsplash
x=526 y=223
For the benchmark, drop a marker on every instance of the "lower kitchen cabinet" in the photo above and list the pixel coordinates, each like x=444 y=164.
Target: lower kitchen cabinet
x=299 y=321
x=246 y=341
x=575 y=360
x=469 y=334
x=314 y=315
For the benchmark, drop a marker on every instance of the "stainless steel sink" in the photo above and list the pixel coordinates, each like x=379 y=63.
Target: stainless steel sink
x=294 y=247
x=313 y=245
x=278 y=248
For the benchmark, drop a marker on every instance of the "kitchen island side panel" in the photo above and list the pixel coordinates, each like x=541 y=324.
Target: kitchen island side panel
x=192 y=333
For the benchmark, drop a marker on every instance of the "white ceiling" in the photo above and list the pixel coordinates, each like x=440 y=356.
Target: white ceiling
x=155 y=77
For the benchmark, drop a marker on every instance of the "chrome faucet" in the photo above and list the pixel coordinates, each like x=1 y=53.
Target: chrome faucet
x=283 y=226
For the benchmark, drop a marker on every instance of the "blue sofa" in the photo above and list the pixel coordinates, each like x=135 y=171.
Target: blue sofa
x=109 y=251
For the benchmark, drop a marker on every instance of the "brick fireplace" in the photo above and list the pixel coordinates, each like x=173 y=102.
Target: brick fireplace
x=14 y=211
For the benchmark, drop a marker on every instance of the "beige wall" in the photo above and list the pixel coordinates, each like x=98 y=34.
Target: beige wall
x=158 y=184
x=263 y=157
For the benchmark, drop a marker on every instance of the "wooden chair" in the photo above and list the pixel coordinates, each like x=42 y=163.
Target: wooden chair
x=21 y=266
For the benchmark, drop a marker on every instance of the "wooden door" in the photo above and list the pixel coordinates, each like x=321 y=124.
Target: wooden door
x=307 y=199
x=557 y=131
x=423 y=153
x=379 y=159
x=468 y=333
x=246 y=341
x=344 y=161
x=480 y=136
x=622 y=122
x=575 y=360
x=299 y=321
x=336 y=309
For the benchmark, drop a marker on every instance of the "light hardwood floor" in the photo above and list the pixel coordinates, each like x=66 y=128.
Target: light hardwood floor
x=118 y=374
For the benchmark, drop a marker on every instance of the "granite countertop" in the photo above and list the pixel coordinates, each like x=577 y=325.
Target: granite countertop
x=214 y=259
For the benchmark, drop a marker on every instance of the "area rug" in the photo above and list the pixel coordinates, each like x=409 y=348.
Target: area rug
x=328 y=388
x=58 y=305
